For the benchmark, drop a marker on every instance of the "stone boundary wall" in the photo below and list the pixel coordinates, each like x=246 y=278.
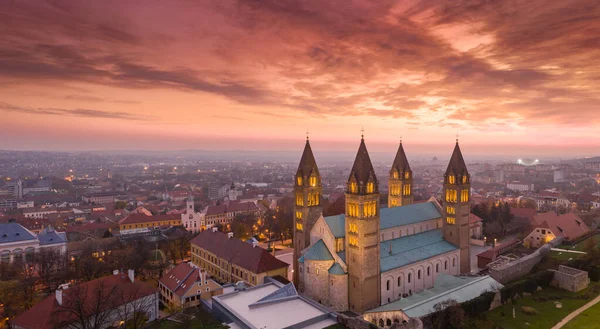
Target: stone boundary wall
x=524 y=265
x=570 y=279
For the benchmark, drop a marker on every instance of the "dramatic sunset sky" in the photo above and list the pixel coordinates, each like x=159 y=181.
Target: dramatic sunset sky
x=510 y=76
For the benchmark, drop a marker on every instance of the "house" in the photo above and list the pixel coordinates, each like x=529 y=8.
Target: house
x=270 y=305
x=549 y=225
x=231 y=260
x=185 y=285
x=108 y=301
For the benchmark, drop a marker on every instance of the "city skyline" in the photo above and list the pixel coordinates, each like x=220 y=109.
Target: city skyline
x=512 y=79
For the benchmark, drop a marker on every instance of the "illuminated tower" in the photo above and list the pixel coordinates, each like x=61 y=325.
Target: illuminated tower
x=362 y=234
x=400 y=182
x=307 y=193
x=457 y=187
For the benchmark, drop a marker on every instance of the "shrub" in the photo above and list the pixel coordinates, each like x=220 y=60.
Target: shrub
x=529 y=310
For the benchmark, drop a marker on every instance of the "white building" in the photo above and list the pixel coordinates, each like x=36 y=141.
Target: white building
x=192 y=220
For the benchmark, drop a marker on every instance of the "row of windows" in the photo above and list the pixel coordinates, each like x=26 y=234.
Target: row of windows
x=369 y=209
x=395 y=175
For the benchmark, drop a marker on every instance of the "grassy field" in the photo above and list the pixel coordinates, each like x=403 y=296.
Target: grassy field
x=543 y=301
x=589 y=319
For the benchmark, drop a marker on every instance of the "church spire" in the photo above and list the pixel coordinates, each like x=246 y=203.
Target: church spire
x=362 y=171
x=308 y=165
x=457 y=164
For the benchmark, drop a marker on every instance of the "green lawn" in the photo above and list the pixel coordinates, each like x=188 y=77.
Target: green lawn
x=548 y=315
x=589 y=319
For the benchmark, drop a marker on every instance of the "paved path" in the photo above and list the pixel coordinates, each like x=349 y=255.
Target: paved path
x=576 y=313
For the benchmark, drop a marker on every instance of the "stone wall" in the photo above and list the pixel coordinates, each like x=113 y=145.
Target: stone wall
x=570 y=279
x=522 y=266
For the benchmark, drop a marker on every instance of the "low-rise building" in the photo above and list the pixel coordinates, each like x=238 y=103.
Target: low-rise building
x=109 y=301
x=228 y=259
x=185 y=285
x=141 y=223
x=549 y=225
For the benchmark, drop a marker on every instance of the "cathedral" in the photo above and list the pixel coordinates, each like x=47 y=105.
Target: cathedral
x=369 y=256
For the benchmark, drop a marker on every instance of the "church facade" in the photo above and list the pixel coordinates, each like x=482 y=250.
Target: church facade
x=369 y=256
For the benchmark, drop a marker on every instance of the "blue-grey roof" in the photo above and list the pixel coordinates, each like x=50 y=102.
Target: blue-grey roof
x=390 y=217
x=49 y=236
x=337 y=225
x=460 y=289
x=336 y=269
x=414 y=213
x=13 y=232
x=413 y=248
x=282 y=293
x=342 y=255
x=318 y=251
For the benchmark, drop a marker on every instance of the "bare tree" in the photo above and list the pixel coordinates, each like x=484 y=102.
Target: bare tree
x=87 y=306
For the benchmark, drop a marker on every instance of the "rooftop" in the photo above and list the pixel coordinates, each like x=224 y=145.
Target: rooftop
x=446 y=287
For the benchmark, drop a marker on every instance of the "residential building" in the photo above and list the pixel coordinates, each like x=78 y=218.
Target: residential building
x=224 y=214
x=228 y=259
x=140 y=223
x=185 y=285
x=549 y=225
x=109 y=301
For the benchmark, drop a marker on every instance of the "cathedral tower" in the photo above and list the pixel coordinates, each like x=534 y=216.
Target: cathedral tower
x=362 y=234
x=457 y=192
x=307 y=193
x=400 y=182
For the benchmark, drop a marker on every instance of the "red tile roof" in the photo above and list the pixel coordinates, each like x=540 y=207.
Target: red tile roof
x=254 y=259
x=181 y=278
x=117 y=289
x=141 y=218
x=568 y=225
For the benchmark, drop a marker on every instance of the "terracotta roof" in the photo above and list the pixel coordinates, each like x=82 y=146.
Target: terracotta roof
x=307 y=165
x=181 y=278
x=362 y=169
x=141 y=218
x=457 y=163
x=48 y=314
x=245 y=255
x=568 y=225
x=400 y=161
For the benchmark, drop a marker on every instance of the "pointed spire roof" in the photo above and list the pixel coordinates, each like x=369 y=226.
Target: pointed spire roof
x=308 y=165
x=362 y=168
x=400 y=161
x=457 y=163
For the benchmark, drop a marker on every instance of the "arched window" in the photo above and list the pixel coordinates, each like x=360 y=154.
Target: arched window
x=387 y=285
x=419 y=275
x=409 y=277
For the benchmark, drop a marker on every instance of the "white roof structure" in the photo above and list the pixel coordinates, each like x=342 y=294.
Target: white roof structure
x=272 y=306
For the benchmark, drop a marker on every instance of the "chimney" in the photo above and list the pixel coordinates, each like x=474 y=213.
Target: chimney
x=215 y=229
x=59 y=296
x=115 y=272
x=131 y=274
x=230 y=235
